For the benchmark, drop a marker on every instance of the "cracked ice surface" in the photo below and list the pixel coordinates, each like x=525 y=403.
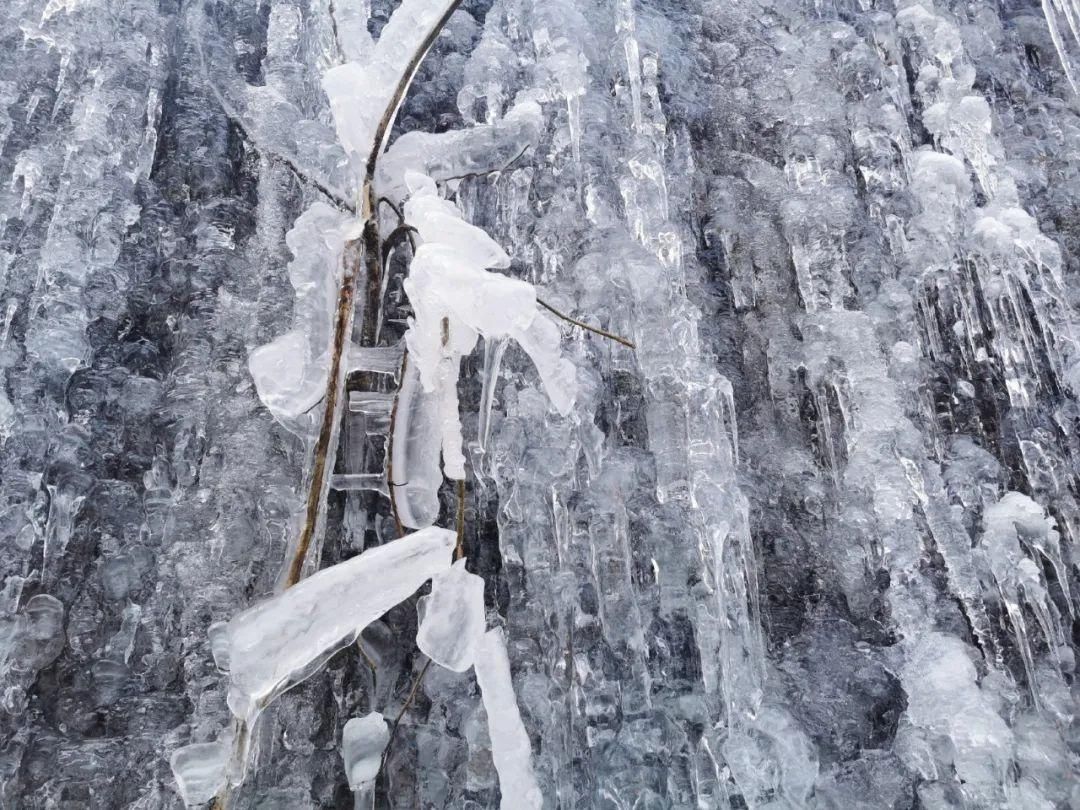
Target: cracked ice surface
x=813 y=543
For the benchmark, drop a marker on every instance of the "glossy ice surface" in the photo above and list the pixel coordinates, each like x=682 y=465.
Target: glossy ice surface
x=811 y=543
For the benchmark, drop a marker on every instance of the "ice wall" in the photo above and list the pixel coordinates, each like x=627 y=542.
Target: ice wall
x=811 y=543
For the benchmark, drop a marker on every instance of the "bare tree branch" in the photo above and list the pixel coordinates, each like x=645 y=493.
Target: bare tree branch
x=584 y=325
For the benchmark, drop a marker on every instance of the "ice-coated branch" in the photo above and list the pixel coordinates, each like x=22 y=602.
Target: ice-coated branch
x=456 y=299
x=365 y=93
x=609 y=335
x=361 y=92
x=461 y=153
x=280 y=642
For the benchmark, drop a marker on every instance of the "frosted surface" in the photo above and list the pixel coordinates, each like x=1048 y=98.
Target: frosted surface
x=809 y=541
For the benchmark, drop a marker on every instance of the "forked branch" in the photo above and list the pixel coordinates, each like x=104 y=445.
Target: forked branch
x=359 y=254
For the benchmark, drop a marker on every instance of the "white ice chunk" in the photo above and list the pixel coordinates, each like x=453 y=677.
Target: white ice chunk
x=510 y=747
x=290 y=372
x=363 y=741
x=451 y=440
x=949 y=711
x=351 y=18
x=940 y=180
x=439 y=221
x=218 y=634
x=199 y=770
x=452 y=621
x=541 y=341
x=283 y=640
x=1017 y=532
x=362 y=90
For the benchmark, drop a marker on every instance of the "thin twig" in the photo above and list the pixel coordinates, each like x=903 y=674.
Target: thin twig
x=390 y=448
x=393 y=207
x=404 y=708
x=459 y=549
x=576 y=322
x=486 y=172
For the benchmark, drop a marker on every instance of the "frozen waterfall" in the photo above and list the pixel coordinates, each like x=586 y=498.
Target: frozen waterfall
x=540 y=404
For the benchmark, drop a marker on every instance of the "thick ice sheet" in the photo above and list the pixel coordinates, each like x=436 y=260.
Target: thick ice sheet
x=280 y=641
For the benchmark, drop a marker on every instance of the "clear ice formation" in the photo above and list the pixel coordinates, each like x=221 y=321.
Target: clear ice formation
x=455 y=300
x=200 y=771
x=811 y=544
x=362 y=89
x=283 y=640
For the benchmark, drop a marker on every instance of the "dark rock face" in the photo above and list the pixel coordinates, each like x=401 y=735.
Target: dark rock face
x=811 y=543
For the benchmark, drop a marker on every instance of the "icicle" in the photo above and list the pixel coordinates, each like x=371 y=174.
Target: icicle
x=493 y=355
x=510 y=746
x=1013 y=522
x=415 y=453
x=1059 y=43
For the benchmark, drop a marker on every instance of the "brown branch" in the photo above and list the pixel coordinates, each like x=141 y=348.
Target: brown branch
x=368 y=253
x=390 y=448
x=364 y=252
x=459 y=549
x=401 y=714
x=583 y=325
